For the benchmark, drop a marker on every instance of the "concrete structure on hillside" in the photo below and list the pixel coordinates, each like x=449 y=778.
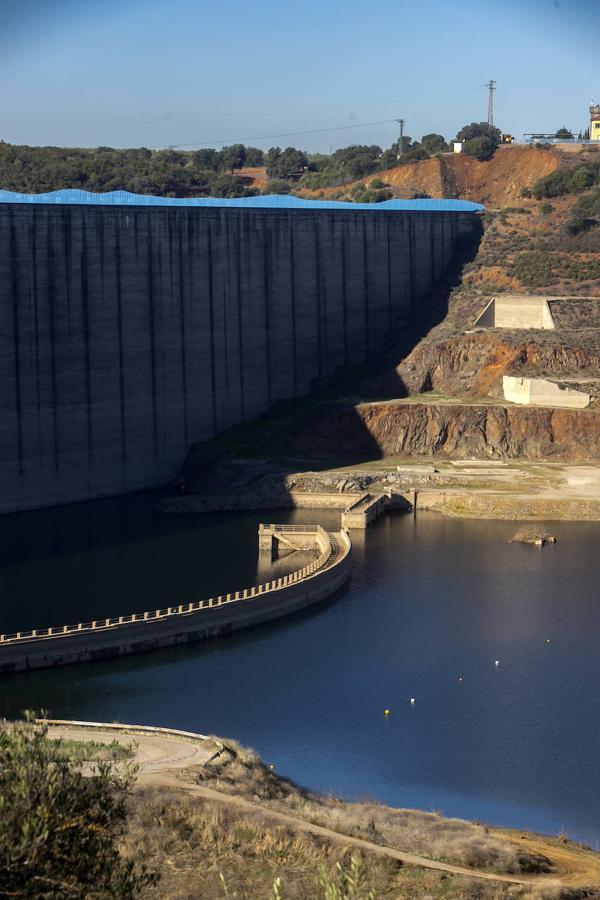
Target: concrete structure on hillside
x=131 y=327
x=516 y=311
x=541 y=392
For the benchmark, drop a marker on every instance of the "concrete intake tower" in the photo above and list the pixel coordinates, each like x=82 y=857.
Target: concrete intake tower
x=133 y=326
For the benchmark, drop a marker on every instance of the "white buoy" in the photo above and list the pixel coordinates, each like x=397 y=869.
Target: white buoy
x=412 y=701
x=497 y=662
x=547 y=640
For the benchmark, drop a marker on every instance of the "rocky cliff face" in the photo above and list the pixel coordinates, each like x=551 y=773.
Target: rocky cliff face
x=473 y=364
x=467 y=431
x=458 y=430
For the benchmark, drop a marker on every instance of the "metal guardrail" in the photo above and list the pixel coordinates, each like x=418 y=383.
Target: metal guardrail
x=185 y=608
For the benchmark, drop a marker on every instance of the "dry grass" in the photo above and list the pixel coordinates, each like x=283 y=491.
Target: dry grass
x=452 y=840
x=198 y=845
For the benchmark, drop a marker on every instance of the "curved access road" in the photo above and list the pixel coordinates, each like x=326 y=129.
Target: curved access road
x=160 y=751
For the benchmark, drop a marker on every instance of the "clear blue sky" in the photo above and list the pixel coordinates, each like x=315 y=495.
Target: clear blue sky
x=187 y=72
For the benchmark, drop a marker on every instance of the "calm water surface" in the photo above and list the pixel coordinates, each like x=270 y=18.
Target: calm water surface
x=431 y=600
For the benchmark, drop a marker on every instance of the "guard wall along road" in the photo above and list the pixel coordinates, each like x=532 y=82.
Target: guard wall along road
x=131 y=327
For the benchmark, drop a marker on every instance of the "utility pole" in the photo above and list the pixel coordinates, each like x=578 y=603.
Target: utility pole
x=491 y=86
x=400 y=139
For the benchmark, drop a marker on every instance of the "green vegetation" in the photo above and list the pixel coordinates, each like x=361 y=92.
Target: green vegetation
x=480 y=140
x=84 y=751
x=434 y=143
x=482 y=148
x=585 y=215
x=60 y=829
x=167 y=173
x=220 y=173
x=567 y=180
x=537 y=268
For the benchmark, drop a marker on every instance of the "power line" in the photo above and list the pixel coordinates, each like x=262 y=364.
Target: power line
x=266 y=137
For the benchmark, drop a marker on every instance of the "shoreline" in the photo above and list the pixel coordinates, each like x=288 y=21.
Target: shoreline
x=515 y=490
x=183 y=761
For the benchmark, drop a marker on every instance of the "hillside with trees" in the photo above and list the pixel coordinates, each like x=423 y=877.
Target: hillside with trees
x=217 y=173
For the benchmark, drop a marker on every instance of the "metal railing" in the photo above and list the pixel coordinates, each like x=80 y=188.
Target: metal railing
x=186 y=608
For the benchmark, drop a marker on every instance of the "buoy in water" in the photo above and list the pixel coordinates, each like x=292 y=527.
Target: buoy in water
x=497 y=662
x=547 y=640
x=386 y=712
x=412 y=701
x=460 y=678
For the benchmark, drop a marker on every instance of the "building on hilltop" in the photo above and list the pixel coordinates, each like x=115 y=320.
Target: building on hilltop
x=595 y=122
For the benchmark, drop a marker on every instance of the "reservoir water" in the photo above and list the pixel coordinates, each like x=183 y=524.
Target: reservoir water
x=432 y=604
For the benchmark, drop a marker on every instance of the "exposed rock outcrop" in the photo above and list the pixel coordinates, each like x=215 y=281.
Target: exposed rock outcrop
x=458 y=430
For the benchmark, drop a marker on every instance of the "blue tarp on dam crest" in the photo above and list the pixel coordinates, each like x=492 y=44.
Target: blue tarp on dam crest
x=269 y=201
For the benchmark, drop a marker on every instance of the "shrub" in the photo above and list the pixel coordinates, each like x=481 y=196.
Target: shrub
x=482 y=148
x=278 y=186
x=546 y=209
x=567 y=180
x=59 y=829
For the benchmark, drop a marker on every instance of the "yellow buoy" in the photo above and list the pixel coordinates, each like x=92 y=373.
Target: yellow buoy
x=386 y=712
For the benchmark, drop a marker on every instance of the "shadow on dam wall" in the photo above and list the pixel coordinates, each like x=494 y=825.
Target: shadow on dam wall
x=249 y=465
x=129 y=333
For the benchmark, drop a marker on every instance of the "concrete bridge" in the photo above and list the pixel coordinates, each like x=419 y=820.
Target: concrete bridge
x=188 y=622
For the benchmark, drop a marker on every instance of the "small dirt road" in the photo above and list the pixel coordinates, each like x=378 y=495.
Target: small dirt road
x=160 y=754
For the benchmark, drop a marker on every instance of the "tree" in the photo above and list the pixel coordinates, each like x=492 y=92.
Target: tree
x=434 y=143
x=254 y=157
x=415 y=153
x=226 y=185
x=233 y=157
x=208 y=159
x=482 y=148
x=564 y=133
x=290 y=164
x=59 y=829
x=478 y=129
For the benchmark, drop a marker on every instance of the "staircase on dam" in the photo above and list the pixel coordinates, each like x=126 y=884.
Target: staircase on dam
x=366 y=510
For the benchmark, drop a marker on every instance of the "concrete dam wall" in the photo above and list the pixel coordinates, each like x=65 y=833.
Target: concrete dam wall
x=130 y=331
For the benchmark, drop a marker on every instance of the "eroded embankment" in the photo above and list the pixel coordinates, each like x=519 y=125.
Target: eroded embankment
x=489 y=431
x=462 y=430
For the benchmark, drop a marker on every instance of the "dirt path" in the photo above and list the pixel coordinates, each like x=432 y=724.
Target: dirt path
x=158 y=755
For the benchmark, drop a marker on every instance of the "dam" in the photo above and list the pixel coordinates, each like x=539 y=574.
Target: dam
x=132 y=326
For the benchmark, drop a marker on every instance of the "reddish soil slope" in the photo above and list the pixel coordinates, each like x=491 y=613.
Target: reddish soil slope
x=496 y=183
